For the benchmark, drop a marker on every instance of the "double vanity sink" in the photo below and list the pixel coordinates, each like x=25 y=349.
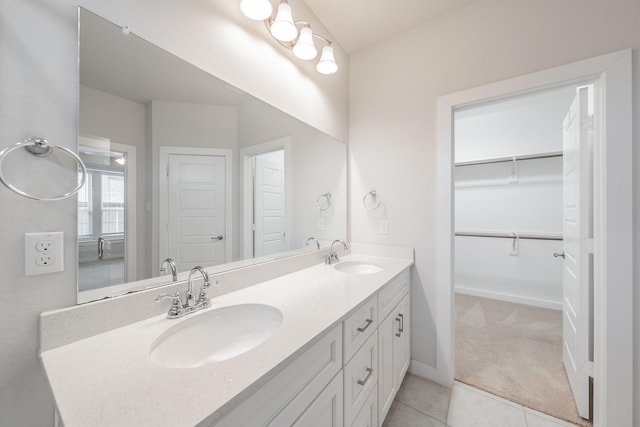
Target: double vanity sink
x=196 y=369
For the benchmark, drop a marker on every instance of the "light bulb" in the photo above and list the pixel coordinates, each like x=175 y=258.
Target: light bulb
x=258 y=10
x=304 y=47
x=283 y=27
x=327 y=63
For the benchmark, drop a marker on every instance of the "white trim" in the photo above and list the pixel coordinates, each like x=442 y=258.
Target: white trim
x=501 y=296
x=163 y=199
x=246 y=208
x=426 y=371
x=613 y=281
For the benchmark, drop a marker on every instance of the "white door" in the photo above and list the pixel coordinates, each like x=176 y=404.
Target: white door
x=577 y=227
x=197 y=210
x=269 y=204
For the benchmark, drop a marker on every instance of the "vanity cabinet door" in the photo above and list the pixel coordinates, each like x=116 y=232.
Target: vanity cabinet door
x=368 y=415
x=394 y=356
x=386 y=386
x=402 y=343
x=327 y=409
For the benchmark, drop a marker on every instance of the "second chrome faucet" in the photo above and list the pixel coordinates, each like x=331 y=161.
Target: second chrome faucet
x=332 y=256
x=190 y=304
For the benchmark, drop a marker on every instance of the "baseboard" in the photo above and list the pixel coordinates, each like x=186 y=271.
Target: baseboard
x=509 y=298
x=428 y=372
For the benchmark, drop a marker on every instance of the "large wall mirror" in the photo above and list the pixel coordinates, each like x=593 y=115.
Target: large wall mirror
x=182 y=165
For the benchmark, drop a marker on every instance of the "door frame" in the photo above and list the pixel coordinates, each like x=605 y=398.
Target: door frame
x=163 y=198
x=613 y=222
x=246 y=199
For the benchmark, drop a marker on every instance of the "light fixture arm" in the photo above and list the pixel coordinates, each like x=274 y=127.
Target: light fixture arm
x=289 y=45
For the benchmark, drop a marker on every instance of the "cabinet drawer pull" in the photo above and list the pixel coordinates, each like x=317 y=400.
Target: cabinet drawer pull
x=401 y=322
x=364 y=381
x=399 y=327
x=364 y=328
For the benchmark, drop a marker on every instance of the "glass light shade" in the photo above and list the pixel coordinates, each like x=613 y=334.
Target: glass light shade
x=304 y=47
x=327 y=63
x=283 y=27
x=258 y=10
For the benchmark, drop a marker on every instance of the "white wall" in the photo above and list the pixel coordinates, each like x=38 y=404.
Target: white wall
x=394 y=87
x=517 y=126
x=486 y=202
x=39 y=87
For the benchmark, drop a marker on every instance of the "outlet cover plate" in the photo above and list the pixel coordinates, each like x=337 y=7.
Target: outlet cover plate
x=43 y=253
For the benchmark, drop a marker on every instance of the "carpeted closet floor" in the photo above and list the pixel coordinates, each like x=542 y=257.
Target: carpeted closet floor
x=514 y=351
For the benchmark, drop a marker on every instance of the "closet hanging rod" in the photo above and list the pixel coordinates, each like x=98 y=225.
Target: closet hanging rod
x=508 y=235
x=510 y=159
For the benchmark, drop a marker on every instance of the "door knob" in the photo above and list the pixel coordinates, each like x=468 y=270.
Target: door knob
x=218 y=237
x=557 y=255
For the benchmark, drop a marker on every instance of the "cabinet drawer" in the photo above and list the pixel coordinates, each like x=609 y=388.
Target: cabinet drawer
x=360 y=378
x=359 y=326
x=368 y=415
x=392 y=293
x=292 y=389
x=325 y=411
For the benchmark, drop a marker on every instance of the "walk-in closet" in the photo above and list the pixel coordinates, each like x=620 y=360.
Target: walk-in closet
x=514 y=201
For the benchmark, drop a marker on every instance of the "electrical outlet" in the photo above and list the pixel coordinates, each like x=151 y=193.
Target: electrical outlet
x=44 y=245
x=43 y=253
x=321 y=225
x=44 y=260
x=383 y=226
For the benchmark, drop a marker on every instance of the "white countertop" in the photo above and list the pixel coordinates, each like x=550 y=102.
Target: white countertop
x=109 y=379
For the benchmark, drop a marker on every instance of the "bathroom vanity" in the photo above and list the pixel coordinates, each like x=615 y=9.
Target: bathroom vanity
x=328 y=343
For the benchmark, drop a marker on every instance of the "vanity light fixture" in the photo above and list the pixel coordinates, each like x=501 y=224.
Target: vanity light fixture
x=294 y=35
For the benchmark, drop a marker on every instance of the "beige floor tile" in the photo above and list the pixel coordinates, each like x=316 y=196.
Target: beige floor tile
x=472 y=408
x=401 y=415
x=425 y=396
x=538 y=419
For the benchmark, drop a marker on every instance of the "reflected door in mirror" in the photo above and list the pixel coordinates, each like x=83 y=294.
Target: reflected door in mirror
x=196 y=210
x=270 y=235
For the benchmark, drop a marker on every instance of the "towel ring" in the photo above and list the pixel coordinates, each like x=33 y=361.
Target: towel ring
x=40 y=147
x=374 y=197
x=326 y=196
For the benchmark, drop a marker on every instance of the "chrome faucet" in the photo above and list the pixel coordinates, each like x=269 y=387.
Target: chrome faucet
x=312 y=239
x=172 y=265
x=178 y=307
x=332 y=256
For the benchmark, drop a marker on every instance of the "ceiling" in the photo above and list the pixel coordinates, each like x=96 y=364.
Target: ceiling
x=357 y=24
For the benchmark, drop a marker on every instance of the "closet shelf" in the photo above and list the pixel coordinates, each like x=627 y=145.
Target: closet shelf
x=511 y=159
x=528 y=236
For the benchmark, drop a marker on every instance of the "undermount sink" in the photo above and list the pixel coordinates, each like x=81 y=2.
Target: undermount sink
x=358 y=267
x=214 y=336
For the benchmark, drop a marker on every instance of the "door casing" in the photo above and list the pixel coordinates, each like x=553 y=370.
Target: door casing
x=613 y=224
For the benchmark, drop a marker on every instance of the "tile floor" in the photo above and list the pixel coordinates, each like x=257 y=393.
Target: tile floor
x=422 y=403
